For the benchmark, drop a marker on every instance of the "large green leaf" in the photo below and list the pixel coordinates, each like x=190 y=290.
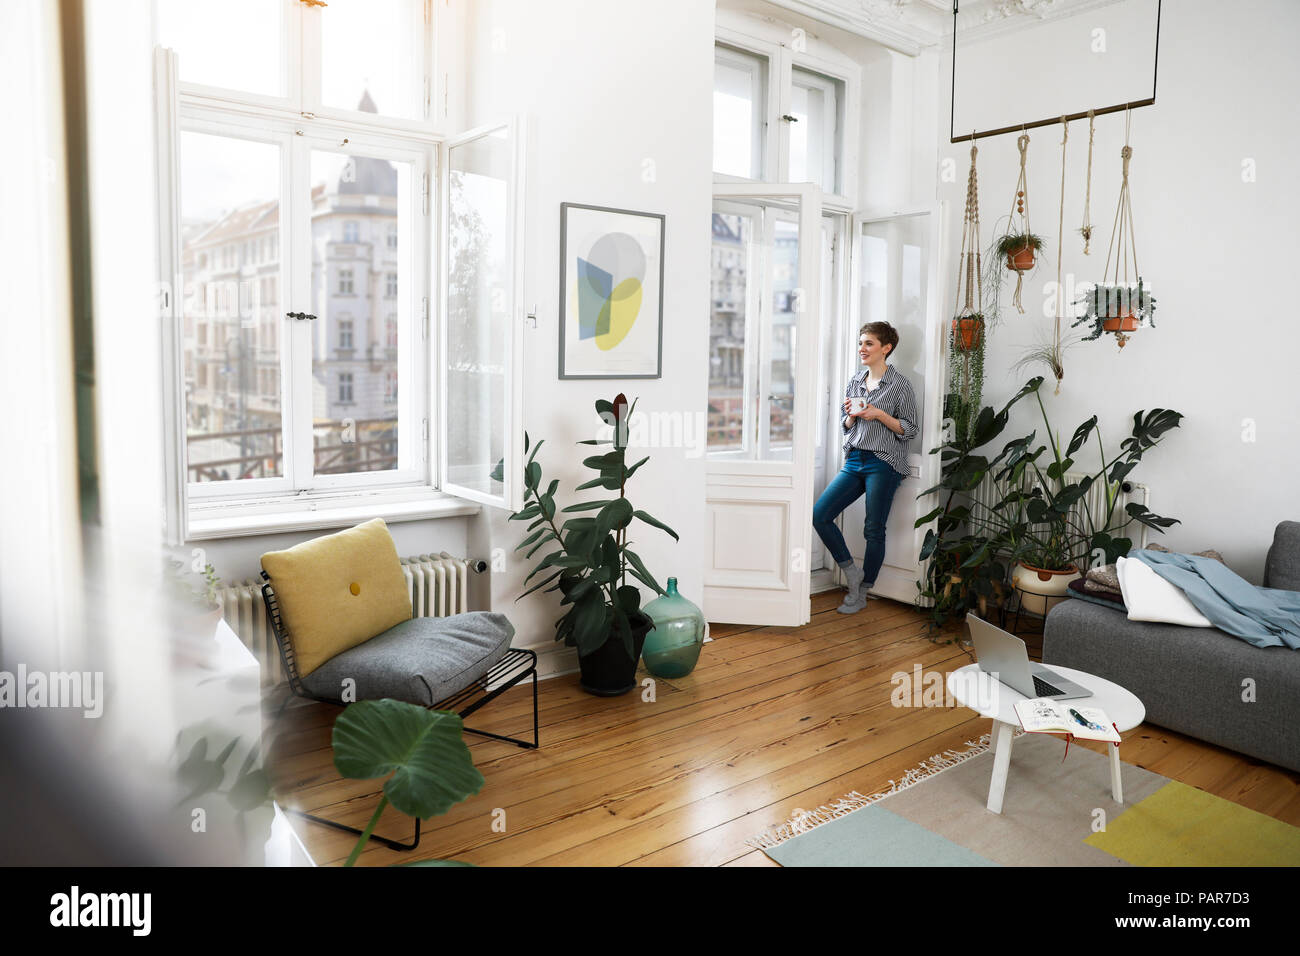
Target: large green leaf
x=655 y=522
x=423 y=750
x=1081 y=435
x=588 y=505
x=643 y=573
x=613 y=517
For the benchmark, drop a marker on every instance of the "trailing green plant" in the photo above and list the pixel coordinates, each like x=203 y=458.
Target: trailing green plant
x=591 y=557
x=423 y=750
x=995 y=267
x=1041 y=516
x=961 y=402
x=1013 y=242
x=1103 y=302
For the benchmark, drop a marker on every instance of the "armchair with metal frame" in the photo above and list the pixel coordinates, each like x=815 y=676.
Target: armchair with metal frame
x=513 y=668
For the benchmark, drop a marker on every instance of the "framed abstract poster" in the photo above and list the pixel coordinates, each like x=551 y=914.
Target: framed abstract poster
x=611 y=292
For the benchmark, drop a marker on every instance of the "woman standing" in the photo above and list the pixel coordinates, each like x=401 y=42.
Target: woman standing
x=879 y=421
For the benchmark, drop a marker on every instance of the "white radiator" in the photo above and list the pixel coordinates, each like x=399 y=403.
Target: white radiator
x=988 y=493
x=438 y=586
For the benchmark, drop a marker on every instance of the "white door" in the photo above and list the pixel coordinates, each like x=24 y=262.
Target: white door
x=762 y=397
x=896 y=280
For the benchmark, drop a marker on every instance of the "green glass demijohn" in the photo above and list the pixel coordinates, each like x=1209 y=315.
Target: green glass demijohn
x=673 y=646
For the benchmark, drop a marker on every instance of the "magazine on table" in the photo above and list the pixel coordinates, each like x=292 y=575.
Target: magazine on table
x=1041 y=715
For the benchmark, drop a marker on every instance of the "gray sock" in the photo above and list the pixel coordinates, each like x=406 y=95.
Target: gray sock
x=853 y=579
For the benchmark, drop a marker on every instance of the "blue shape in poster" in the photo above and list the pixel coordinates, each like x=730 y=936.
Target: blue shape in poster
x=595 y=286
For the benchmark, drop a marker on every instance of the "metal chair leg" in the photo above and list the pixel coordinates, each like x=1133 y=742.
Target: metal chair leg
x=392 y=844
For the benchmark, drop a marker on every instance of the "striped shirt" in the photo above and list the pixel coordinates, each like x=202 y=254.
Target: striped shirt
x=892 y=395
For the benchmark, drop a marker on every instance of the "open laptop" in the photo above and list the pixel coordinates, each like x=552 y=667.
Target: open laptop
x=1004 y=656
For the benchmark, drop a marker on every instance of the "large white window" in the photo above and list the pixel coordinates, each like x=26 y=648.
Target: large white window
x=302 y=356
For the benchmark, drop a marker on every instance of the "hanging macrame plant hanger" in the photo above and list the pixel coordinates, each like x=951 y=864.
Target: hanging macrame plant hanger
x=1118 y=307
x=1021 y=260
x=968 y=315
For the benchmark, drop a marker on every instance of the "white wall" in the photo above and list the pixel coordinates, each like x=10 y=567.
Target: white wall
x=618 y=99
x=1218 y=252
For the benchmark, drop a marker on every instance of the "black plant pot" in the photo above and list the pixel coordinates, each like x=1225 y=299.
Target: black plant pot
x=607 y=672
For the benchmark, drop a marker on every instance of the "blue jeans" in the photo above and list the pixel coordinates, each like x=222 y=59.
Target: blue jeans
x=863 y=472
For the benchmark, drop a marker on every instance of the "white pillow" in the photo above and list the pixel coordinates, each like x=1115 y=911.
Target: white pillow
x=1149 y=597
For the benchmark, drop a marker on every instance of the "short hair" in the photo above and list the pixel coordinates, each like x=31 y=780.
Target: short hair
x=882 y=332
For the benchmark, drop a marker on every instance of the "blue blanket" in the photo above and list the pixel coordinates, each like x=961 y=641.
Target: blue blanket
x=1265 y=617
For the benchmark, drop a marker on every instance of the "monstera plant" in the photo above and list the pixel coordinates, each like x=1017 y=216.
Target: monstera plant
x=423 y=750
x=589 y=558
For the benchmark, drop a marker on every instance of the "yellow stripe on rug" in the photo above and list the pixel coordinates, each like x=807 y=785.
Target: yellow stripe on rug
x=1179 y=825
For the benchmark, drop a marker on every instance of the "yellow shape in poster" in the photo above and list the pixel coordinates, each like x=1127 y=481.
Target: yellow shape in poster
x=622 y=309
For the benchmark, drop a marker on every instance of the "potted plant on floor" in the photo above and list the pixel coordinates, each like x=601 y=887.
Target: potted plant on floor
x=591 y=559
x=1042 y=520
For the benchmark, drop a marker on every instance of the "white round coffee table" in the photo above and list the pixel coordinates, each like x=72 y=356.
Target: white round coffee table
x=989 y=697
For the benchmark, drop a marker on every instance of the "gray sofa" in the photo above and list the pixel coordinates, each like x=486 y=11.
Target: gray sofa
x=1192 y=680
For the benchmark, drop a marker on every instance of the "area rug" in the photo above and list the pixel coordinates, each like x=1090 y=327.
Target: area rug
x=1055 y=813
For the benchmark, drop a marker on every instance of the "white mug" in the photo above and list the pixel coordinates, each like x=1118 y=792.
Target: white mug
x=857 y=404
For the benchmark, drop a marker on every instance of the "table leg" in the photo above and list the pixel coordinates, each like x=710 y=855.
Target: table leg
x=1116 y=786
x=1001 y=764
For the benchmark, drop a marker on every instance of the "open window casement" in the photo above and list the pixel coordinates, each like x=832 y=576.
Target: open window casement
x=479 y=391
x=170 y=286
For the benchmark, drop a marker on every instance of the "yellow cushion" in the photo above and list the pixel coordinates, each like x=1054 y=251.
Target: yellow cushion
x=338 y=591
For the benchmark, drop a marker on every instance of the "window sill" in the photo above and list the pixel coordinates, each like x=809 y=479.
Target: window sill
x=246 y=519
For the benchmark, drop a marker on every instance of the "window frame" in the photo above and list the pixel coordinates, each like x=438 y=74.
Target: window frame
x=771 y=41
x=297 y=345
x=194 y=512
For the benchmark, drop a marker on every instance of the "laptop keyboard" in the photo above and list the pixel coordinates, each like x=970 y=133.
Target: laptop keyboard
x=1043 y=689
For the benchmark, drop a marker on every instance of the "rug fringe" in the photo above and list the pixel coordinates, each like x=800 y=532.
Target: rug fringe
x=803 y=822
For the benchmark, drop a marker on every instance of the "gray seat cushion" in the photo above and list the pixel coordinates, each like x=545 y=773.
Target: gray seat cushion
x=1196 y=680
x=1282 y=566
x=420 y=661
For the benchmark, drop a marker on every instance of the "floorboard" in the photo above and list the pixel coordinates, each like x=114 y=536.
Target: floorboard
x=683 y=772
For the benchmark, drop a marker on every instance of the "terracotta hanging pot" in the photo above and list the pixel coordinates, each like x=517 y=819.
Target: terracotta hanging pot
x=1125 y=322
x=967 y=332
x=1021 y=260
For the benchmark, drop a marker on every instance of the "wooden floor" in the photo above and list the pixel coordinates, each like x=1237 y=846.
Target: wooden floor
x=772 y=720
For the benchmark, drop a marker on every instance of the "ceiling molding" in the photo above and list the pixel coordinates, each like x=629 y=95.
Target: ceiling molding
x=911 y=26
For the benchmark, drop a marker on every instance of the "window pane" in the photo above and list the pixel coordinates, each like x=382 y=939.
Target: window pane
x=360 y=288
x=235 y=44
x=894 y=264
x=230 y=220
x=739 y=81
x=478 y=303
x=814 y=136
x=371 y=57
x=733 y=236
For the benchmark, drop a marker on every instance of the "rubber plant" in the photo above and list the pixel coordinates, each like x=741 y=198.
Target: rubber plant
x=590 y=557
x=423 y=750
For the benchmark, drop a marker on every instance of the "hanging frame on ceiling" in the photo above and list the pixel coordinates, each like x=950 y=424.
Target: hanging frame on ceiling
x=1051 y=120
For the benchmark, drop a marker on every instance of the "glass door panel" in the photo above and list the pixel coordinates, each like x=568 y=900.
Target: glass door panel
x=480 y=264
x=731 y=318
x=893 y=288
x=778 y=357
